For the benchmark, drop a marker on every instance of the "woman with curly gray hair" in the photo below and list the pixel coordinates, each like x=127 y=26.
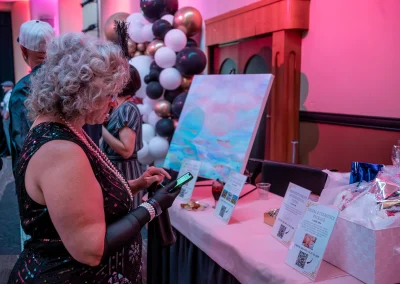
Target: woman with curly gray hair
x=74 y=203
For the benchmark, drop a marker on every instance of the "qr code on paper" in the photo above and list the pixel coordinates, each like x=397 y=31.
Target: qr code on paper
x=182 y=193
x=281 y=231
x=301 y=259
x=222 y=211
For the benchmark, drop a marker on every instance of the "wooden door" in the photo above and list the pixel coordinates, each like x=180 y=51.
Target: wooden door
x=252 y=56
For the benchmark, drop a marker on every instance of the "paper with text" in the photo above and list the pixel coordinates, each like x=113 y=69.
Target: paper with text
x=292 y=209
x=193 y=167
x=230 y=196
x=311 y=238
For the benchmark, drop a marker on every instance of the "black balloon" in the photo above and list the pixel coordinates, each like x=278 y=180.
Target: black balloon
x=171 y=95
x=178 y=104
x=154 y=90
x=154 y=75
x=161 y=28
x=165 y=127
x=154 y=66
x=191 y=43
x=191 y=61
x=147 y=79
x=153 y=10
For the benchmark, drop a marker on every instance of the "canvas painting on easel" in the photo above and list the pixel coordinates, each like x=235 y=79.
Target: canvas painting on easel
x=219 y=122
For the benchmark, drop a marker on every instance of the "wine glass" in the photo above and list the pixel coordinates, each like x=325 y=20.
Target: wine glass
x=216 y=190
x=396 y=156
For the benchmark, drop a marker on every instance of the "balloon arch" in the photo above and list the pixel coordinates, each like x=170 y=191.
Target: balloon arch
x=167 y=58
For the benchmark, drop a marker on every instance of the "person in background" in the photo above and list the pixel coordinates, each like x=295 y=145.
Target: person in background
x=7 y=88
x=33 y=38
x=74 y=203
x=122 y=134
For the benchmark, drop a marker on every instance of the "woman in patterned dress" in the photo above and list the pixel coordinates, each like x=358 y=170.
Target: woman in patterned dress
x=122 y=134
x=73 y=202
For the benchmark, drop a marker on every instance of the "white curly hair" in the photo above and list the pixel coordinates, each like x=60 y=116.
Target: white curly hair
x=79 y=72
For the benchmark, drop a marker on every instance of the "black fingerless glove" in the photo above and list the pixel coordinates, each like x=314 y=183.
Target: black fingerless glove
x=124 y=230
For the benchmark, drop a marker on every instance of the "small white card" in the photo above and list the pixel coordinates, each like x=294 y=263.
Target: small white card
x=230 y=196
x=312 y=236
x=193 y=167
x=293 y=207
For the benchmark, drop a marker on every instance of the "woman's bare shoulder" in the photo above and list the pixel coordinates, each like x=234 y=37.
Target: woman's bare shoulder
x=58 y=151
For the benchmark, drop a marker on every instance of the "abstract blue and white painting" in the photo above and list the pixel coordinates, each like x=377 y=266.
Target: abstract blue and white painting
x=219 y=122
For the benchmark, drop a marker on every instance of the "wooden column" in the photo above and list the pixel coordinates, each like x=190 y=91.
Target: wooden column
x=285 y=94
x=284 y=20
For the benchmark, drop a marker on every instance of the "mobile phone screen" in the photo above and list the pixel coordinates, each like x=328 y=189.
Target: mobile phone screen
x=181 y=181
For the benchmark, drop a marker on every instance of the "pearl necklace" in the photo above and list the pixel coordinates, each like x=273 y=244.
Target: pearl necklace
x=101 y=156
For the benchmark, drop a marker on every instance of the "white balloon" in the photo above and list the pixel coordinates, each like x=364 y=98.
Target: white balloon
x=168 y=18
x=165 y=57
x=153 y=118
x=144 y=152
x=142 y=64
x=159 y=163
x=147 y=32
x=146 y=160
x=152 y=103
x=142 y=93
x=136 y=19
x=140 y=107
x=144 y=109
x=145 y=118
x=176 y=40
x=158 y=147
x=148 y=132
x=170 y=78
x=135 y=33
x=147 y=109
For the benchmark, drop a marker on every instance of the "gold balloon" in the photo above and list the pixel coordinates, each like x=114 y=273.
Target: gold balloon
x=188 y=20
x=109 y=31
x=163 y=108
x=175 y=122
x=154 y=46
x=186 y=82
x=131 y=48
x=137 y=53
x=141 y=47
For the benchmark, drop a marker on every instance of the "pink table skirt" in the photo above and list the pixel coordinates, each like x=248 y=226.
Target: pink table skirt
x=245 y=247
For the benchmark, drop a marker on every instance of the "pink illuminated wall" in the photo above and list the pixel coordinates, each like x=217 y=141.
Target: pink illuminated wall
x=350 y=54
x=47 y=9
x=70 y=16
x=350 y=58
x=20 y=13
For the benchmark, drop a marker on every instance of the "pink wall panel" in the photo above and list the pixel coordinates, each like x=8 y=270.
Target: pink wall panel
x=350 y=58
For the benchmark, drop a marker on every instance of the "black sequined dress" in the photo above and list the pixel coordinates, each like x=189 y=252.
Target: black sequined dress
x=44 y=258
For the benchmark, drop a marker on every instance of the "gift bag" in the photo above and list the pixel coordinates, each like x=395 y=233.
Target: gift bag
x=364 y=172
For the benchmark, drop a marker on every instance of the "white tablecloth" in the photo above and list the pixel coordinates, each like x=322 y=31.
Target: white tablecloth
x=245 y=247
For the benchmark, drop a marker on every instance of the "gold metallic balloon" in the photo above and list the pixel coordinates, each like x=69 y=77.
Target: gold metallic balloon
x=131 y=48
x=141 y=47
x=188 y=20
x=163 y=108
x=154 y=46
x=109 y=31
x=175 y=120
x=186 y=82
x=137 y=53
